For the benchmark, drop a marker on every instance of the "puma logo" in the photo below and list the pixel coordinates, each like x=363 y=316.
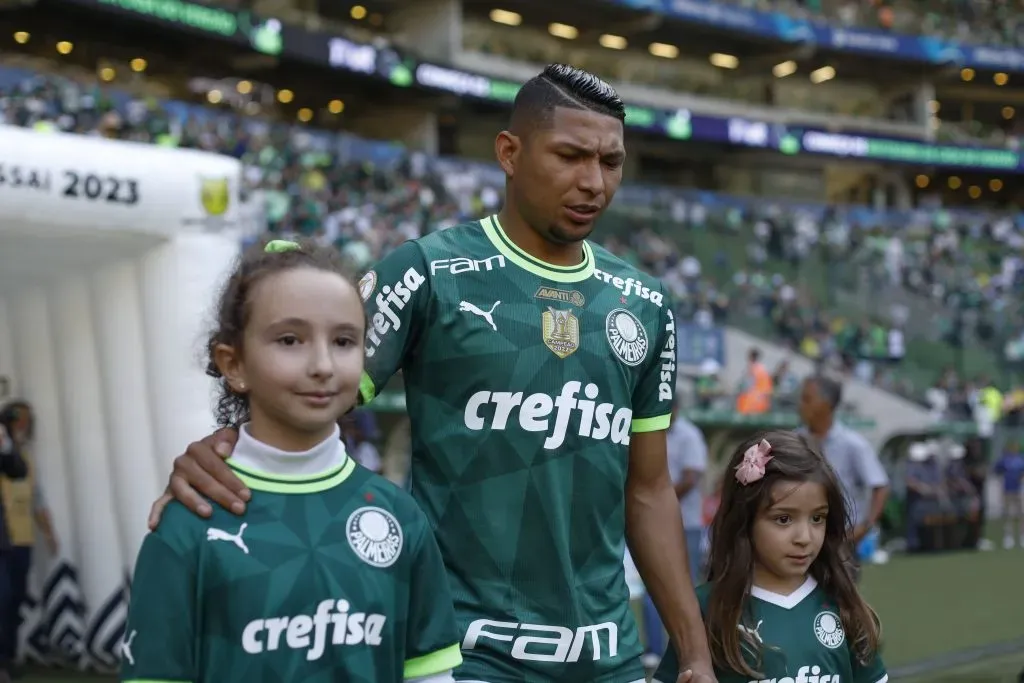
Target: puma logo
x=221 y=535
x=126 y=647
x=467 y=307
x=752 y=633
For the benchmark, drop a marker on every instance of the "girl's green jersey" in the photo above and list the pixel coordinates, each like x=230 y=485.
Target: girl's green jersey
x=326 y=578
x=802 y=641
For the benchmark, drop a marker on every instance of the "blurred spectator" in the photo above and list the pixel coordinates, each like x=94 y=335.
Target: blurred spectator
x=1010 y=469
x=755 y=390
x=786 y=385
x=926 y=497
x=708 y=385
x=687 y=462
x=864 y=480
x=360 y=435
x=964 y=498
x=15 y=431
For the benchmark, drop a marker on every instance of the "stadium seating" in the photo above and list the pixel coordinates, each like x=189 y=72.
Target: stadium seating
x=808 y=276
x=971 y=21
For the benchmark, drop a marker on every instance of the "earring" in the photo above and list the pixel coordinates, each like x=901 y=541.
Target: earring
x=241 y=386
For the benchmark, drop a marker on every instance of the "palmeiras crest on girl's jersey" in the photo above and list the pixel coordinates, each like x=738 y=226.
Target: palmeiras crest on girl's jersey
x=829 y=630
x=375 y=536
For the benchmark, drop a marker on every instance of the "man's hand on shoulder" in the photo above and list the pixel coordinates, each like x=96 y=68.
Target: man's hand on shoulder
x=201 y=473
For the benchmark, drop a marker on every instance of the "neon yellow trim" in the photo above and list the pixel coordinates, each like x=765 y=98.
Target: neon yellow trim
x=651 y=424
x=578 y=273
x=367 y=391
x=434 y=663
x=277 y=483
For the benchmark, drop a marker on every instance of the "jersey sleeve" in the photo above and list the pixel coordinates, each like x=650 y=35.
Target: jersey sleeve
x=432 y=637
x=655 y=391
x=872 y=672
x=159 y=637
x=396 y=294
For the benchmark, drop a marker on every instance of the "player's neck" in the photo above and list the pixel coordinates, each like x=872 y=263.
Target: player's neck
x=255 y=454
x=527 y=239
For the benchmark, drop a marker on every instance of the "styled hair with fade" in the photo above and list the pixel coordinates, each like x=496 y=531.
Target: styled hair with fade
x=561 y=85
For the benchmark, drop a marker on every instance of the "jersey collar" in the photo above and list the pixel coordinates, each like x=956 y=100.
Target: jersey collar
x=786 y=601
x=262 y=467
x=496 y=234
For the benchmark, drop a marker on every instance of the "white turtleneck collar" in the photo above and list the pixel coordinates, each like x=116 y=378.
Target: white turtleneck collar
x=254 y=455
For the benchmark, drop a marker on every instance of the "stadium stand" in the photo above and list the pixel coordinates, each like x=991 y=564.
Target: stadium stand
x=841 y=286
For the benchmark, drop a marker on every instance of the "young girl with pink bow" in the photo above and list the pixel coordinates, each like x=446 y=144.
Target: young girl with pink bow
x=780 y=603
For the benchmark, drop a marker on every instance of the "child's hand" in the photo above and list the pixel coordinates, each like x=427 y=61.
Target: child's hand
x=698 y=676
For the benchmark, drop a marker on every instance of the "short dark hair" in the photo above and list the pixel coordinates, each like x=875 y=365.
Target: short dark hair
x=830 y=389
x=561 y=85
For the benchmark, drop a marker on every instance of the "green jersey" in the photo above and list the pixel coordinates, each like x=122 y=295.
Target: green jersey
x=802 y=641
x=524 y=384
x=326 y=578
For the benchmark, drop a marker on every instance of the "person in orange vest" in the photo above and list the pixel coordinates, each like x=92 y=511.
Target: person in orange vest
x=755 y=395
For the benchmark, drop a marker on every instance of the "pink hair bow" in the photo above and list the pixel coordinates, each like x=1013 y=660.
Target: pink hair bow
x=754 y=461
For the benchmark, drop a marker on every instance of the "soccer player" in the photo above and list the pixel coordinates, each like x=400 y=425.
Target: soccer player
x=332 y=574
x=539 y=374
x=780 y=603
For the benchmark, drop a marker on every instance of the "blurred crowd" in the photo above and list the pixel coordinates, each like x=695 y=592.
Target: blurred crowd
x=980 y=22
x=810 y=276
x=943 y=502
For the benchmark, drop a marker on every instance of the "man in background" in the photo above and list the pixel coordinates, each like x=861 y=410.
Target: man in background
x=925 y=494
x=18 y=506
x=755 y=390
x=1010 y=469
x=865 y=482
x=687 y=462
x=360 y=434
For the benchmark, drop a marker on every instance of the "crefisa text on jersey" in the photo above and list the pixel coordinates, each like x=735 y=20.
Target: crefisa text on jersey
x=805 y=674
x=668 y=359
x=631 y=287
x=331 y=624
x=532 y=413
x=390 y=299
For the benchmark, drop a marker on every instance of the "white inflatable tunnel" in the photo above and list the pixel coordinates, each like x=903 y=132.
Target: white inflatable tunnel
x=110 y=257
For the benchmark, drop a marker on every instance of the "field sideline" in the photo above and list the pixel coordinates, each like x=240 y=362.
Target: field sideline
x=930 y=606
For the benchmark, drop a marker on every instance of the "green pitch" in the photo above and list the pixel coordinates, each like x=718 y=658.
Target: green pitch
x=934 y=605
x=998 y=670
x=930 y=606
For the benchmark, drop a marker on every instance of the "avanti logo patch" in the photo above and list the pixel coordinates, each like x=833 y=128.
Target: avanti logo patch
x=561 y=296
